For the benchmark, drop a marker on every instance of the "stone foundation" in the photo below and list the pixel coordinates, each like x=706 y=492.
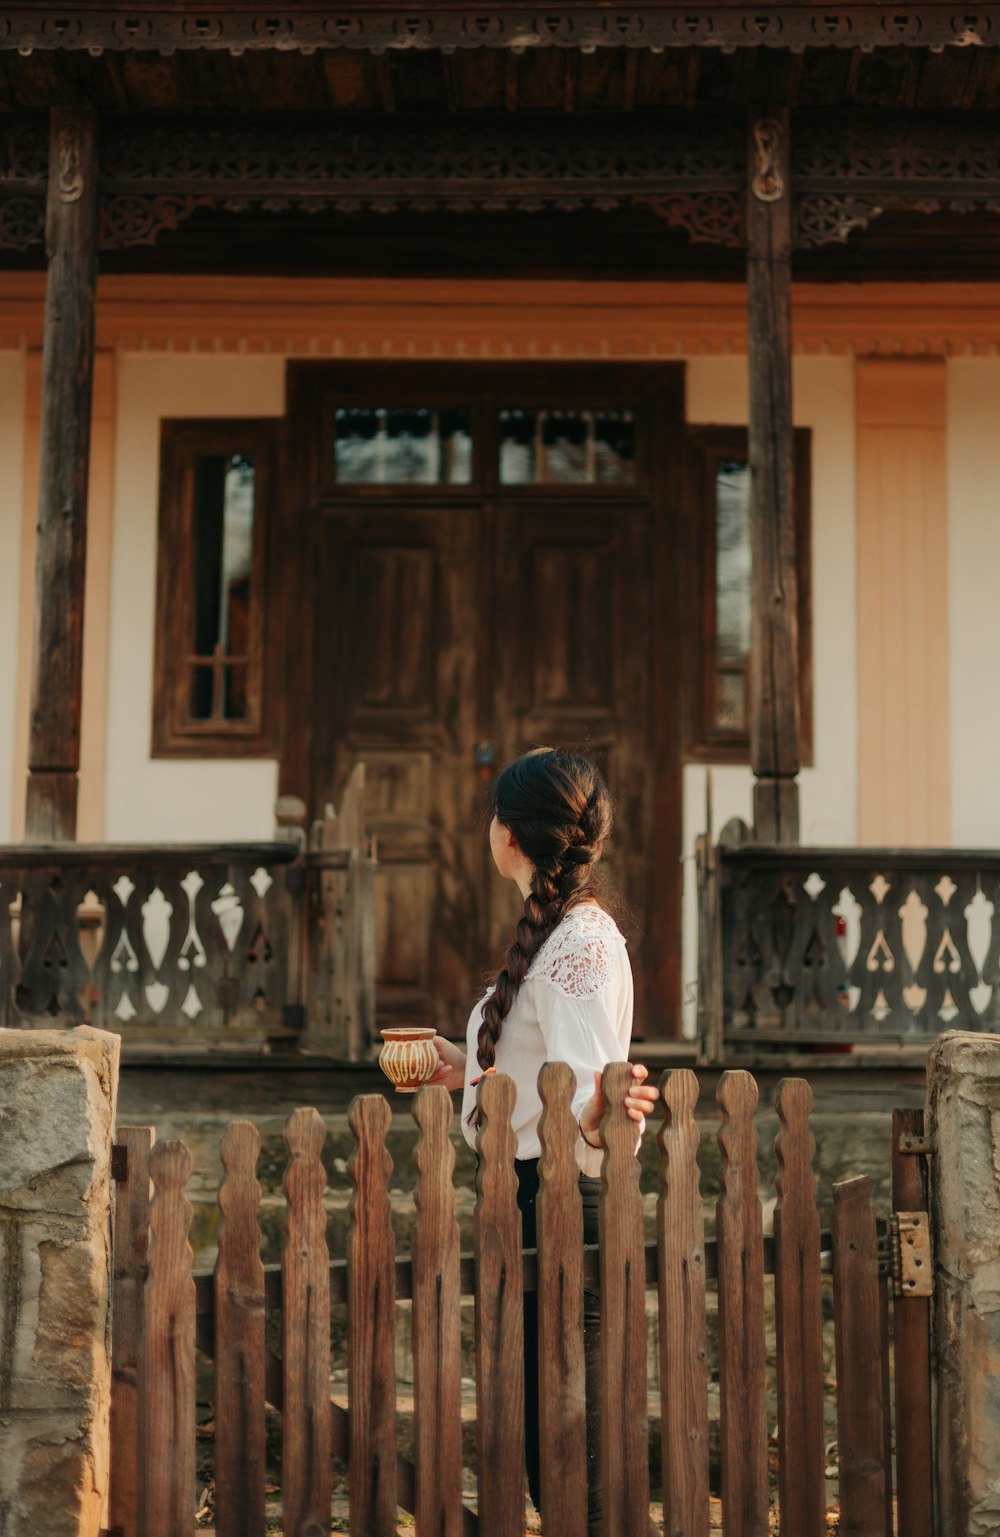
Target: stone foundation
x=964 y=1122
x=57 y=1103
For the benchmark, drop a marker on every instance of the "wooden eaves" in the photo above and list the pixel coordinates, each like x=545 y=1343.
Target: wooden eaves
x=375 y=26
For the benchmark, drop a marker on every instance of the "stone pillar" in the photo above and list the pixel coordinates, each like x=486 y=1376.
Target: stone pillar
x=57 y=1104
x=964 y=1124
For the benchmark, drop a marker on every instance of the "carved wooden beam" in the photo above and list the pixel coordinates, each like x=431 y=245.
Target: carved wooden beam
x=774 y=653
x=67 y=375
x=374 y=27
x=686 y=167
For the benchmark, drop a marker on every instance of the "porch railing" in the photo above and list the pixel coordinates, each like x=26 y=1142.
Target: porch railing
x=846 y=944
x=204 y=946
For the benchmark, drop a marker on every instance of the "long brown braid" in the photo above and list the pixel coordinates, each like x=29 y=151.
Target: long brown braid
x=558 y=808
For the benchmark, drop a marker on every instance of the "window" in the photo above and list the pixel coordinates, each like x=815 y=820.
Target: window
x=377 y=447
x=216 y=481
x=567 y=448
x=719 y=518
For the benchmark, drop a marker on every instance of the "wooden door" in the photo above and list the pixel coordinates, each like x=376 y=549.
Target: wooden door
x=573 y=649
x=396 y=678
x=495 y=591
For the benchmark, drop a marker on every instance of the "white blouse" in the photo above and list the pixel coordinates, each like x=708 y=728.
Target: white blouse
x=575 y=1006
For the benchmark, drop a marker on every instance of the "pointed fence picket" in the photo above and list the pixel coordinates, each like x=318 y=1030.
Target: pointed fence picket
x=437 y=1323
x=798 y=1312
x=499 y=1325
x=167 y=1377
x=162 y=1312
x=742 y=1358
x=680 y=1235
x=561 y=1367
x=624 y=1432
x=305 y=1334
x=239 y=1341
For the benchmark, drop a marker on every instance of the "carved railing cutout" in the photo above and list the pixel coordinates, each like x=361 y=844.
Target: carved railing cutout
x=146 y=942
x=854 y=945
x=248 y=945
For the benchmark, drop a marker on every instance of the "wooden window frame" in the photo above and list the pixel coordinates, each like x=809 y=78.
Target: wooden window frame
x=174 y=733
x=703 y=741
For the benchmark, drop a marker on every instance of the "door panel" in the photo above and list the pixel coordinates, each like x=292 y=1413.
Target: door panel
x=574 y=646
x=399 y=678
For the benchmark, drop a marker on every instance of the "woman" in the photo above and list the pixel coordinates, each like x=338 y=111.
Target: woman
x=563 y=994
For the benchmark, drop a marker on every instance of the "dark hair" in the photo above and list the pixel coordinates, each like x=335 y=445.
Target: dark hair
x=558 y=808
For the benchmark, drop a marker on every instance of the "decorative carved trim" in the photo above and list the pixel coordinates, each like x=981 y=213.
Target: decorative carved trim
x=688 y=170
x=69 y=171
x=830 y=219
x=130 y=219
x=22 y=222
x=508 y=319
x=306 y=27
x=708 y=218
x=767 y=183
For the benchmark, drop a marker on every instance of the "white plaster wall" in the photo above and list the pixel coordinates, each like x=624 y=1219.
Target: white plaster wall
x=12 y=390
x=823 y=399
x=167 y=799
x=973 y=577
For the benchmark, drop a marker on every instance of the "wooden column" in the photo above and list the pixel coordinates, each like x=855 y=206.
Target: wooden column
x=67 y=374
x=774 y=672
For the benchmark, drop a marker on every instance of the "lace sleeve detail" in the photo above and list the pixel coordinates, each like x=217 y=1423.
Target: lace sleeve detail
x=578 y=959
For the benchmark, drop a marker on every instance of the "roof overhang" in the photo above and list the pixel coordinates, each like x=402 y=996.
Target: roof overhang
x=449 y=25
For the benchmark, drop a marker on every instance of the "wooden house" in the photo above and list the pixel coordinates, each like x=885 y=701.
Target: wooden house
x=413 y=385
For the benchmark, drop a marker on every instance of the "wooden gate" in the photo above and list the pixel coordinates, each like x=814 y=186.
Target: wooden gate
x=737 y=1413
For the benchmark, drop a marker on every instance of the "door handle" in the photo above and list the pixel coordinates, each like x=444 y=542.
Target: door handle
x=485 y=754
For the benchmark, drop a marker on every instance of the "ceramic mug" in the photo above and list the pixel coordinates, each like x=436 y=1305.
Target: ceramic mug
x=409 y=1057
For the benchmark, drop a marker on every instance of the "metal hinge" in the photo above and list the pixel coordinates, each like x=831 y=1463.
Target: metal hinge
x=119 y=1173
x=912 y=1271
x=909 y=1142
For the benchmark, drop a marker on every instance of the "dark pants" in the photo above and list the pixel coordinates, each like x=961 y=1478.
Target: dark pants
x=527 y=1190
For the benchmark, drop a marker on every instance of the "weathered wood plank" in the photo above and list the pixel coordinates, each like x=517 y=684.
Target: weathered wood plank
x=741 y=1315
x=167 y=1500
x=305 y=1262
x=858 y=1304
x=774 y=650
x=562 y=1396
x=680 y=1234
x=499 y=1324
x=912 y=1352
x=624 y=1422
x=60 y=560
x=239 y=1341
x=371 y=1306
x=437 y=1329
x=798 y=1300
x=129 y=1254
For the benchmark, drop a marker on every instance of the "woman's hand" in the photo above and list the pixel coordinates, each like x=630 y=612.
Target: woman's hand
x=451 y=1064
x=639 y=1101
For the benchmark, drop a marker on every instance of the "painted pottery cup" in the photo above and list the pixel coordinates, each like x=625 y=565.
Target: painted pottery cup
x=409 y=1057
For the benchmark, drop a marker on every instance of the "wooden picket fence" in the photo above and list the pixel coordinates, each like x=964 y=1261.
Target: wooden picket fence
x=163 y=1312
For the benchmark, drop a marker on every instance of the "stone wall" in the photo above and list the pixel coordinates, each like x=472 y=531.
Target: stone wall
x=57 y=1107
x=964 y=1123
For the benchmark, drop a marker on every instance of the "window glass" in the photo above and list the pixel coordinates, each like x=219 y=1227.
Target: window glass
x=732 y=592
x=567 y=448
x=377 y=447
x=224 y=500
